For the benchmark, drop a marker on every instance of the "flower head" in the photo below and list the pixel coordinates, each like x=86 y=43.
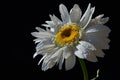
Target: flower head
x=75 y=35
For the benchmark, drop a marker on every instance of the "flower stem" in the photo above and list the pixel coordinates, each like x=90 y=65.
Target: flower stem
x=83 y=66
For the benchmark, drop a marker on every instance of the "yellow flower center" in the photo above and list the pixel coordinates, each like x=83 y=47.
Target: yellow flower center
x=68 y=35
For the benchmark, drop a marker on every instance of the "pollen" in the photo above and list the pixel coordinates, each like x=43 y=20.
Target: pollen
x=68 y=35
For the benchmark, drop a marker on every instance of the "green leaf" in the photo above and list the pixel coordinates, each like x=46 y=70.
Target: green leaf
x=96 y=75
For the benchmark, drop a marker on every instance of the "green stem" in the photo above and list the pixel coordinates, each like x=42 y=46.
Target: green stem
x=83 y=66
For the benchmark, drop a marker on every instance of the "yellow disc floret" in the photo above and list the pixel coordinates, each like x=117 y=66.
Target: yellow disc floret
x=68 y=35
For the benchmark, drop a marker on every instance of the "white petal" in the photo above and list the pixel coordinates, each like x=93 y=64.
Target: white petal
x=70 y=62
x=39 y=29
x=50 y=61
x=101 y=29
x=42 y=35
x=55 y=20
x=75 y=14
x=35 y=55
x=99 y=53
x=87 y=45
x=104 y=20
x=42 y=59
x=64 y=13
x=47 y=49
x=46 y=63
x=80 y=53
x=57 y=54
x=52 y=26
x=56 y=24
x=61 y=60
x=52 y=29
x=43 y=43
x=98 y=20
x=84 y=49
x=91 y=30
x=99 y=16
x=98 y=42
x=101 y=20
x=50 y=64
x=37 y=40
x=99 y=38
x=46 y=25
x=91 y=57
x=51 y=23
x=57 y=58
x=67 y=52
x=87 y=16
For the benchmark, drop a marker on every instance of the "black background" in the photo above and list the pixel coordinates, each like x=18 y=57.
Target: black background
x=21 y=18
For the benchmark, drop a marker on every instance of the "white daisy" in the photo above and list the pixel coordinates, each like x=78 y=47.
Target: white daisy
x=74 y=35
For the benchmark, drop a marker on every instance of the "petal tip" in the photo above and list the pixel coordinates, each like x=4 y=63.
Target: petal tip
x=35 y=55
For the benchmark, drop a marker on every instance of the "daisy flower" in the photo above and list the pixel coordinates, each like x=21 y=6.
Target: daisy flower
x=76 y=35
